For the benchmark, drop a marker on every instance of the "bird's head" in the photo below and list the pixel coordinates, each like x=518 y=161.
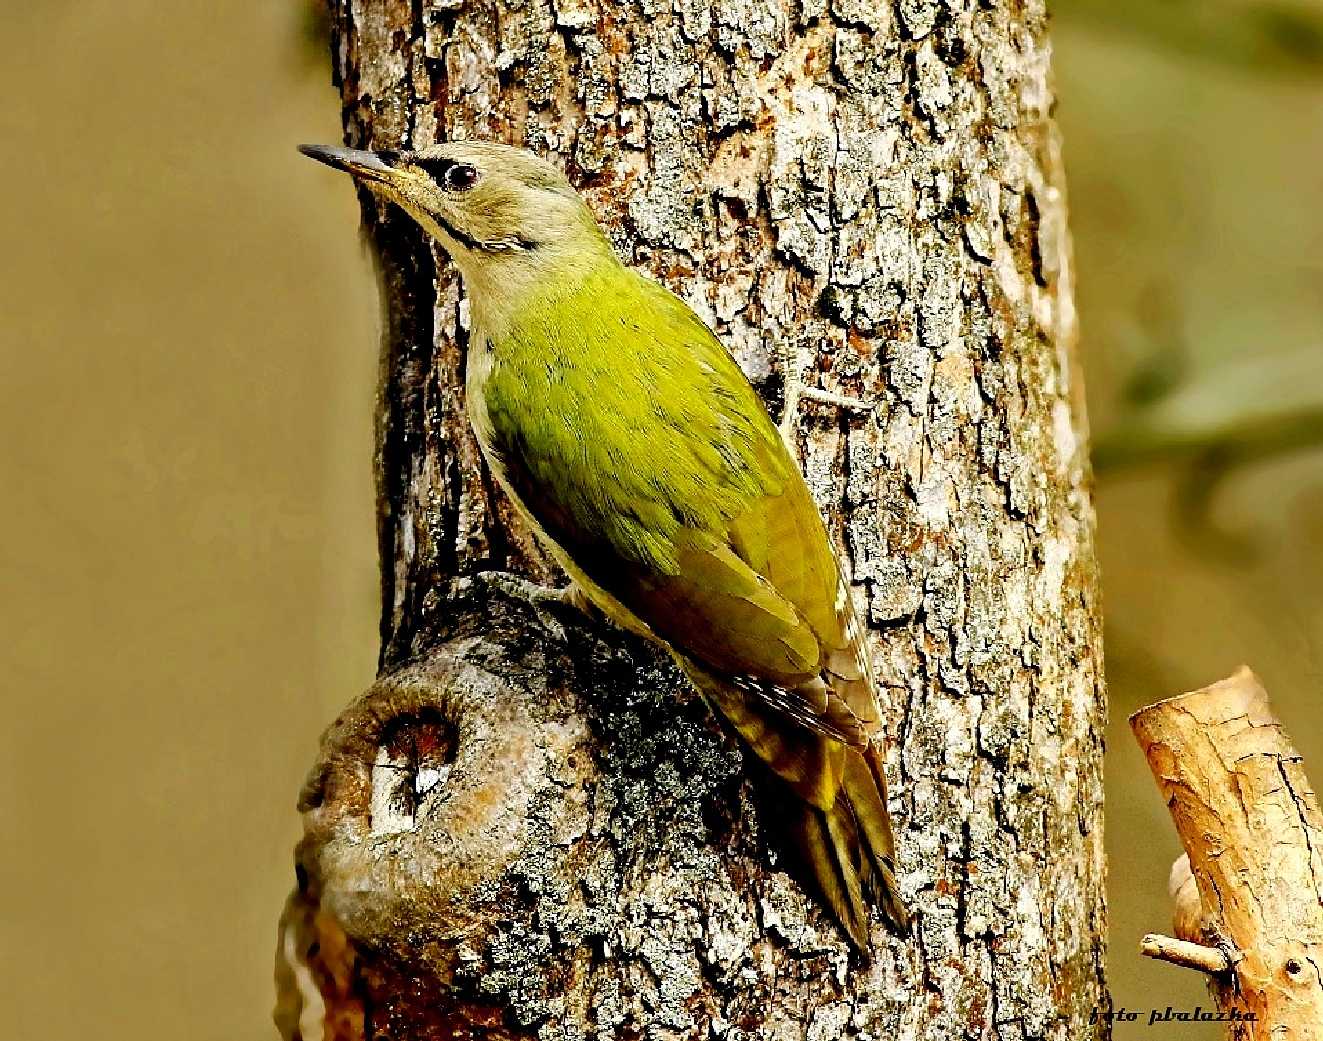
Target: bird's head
x=496 y=209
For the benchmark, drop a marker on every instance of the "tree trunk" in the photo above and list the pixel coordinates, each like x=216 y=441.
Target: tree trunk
x=529 y=827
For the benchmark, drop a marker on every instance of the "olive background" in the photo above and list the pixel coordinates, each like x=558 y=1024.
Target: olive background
x=188 y=330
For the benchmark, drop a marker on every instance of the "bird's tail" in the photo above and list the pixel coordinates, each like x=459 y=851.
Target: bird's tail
x=833 y=800
x=849 y=850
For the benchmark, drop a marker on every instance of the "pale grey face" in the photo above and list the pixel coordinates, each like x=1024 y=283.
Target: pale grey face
x=482 y=201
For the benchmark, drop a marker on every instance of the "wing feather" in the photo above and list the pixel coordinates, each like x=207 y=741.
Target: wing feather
x=657 y=471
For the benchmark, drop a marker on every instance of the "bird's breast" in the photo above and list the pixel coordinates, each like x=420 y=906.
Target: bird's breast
x=478 y=370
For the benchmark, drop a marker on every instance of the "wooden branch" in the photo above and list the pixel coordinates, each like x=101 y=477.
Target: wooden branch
x=1253 y=832
x=1198 y=956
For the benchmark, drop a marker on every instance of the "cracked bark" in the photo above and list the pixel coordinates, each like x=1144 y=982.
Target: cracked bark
x=528 y=827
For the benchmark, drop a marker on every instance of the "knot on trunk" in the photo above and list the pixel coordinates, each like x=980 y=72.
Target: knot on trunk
x=502 y=837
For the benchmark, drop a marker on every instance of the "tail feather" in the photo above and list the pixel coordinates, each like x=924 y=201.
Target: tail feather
x=860 y=828
x=866 y=790
x=849 y=860
x=835 y=803
x=826 y=852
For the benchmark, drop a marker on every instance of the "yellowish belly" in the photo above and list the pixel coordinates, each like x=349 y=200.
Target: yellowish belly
x=479 y=369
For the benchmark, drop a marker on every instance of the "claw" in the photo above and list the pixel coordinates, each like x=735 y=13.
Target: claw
x=543 y=599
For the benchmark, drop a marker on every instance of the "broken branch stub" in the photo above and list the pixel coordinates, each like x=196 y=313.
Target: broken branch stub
x=1252 y=829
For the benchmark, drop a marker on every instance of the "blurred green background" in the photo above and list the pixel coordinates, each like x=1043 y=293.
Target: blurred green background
x=187 y=365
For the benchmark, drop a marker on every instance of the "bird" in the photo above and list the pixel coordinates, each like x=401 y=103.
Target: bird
x=633 y=445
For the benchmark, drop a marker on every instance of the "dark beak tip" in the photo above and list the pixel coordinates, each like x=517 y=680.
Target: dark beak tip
x=352 y=160
x=322 y=153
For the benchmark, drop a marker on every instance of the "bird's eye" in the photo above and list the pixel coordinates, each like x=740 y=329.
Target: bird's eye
x=448 y=174
x=460 y=178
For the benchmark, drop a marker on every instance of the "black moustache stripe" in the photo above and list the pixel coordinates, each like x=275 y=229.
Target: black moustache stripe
x=462 y=237
x=469 y=242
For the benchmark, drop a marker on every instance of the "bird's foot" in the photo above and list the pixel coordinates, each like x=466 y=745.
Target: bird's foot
x=545 y=601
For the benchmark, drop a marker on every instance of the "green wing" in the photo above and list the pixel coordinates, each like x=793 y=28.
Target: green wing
x=643 y=452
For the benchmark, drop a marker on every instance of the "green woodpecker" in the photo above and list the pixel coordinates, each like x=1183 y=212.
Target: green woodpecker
x=637 y=450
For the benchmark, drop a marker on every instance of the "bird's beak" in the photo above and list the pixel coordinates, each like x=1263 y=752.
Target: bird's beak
x=371 y=166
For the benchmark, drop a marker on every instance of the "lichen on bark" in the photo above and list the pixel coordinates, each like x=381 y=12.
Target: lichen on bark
x=868 y=198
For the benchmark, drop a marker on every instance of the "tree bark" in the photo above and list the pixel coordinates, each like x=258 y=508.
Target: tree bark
x=529 y=827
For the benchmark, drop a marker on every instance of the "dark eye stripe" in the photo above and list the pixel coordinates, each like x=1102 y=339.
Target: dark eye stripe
x=435 y=168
